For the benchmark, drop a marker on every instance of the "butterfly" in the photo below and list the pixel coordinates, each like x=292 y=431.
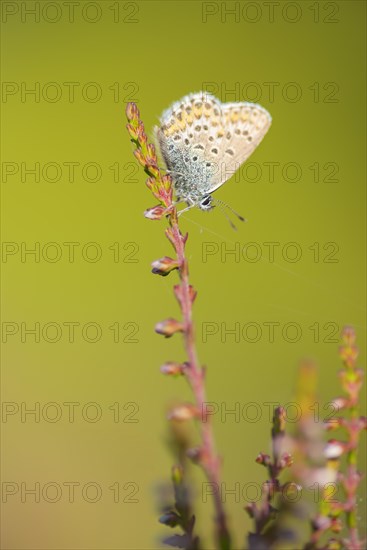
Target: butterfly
x=204 y=141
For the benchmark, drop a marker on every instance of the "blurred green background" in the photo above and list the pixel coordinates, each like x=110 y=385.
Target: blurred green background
x=94 y=344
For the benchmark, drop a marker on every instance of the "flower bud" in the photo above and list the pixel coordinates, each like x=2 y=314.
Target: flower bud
x=172 y=369
x=167 y=181
x=333 y=423
x=286 y=460
x=170 y=518
x=139 y=157
x=169 y=194
x=153 y=170
x=178 y=293
x=338 y=404
x=151 y=184
x=177 y=289
x=132 y=131
x=132 y=111
x=349 y=355
x=142 y=137
x=194 y=454
x=183 y=412
x=168 y=327
x=334 y=449
x=263 y=459
x=160 y=194
x=349 y=336
x=192 y=293
x=155 y=213
x=164 y=266
x=151 y=151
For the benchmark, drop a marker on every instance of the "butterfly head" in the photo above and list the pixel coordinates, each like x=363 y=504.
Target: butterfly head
x=206 y=203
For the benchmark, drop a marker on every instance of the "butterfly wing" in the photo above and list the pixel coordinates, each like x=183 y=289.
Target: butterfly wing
x=186 y=137
x=203 y=142
x=244 y=125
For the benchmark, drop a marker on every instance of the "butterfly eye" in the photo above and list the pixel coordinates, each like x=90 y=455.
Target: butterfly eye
x=194 y=158
x=206 y=201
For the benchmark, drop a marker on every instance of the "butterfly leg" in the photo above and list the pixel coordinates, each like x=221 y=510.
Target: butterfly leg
x=190 y=204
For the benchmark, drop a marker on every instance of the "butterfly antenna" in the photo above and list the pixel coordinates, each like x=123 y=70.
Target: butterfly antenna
x=221 y=206
x=231 y=209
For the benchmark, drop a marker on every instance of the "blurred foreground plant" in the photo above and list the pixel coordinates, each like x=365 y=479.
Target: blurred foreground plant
x=267 y=514
x=343 y=513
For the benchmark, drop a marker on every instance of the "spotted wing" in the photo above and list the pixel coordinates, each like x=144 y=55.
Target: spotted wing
x=187 y=138
x=244 y=125
x=203 y=142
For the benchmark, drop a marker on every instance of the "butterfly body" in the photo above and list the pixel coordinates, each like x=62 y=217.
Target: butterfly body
x=203 y=142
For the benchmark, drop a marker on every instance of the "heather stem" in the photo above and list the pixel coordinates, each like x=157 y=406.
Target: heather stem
x=209 y=460
x=162 y=189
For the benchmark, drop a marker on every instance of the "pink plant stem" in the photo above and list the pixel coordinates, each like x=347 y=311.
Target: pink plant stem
x=195 y=375
x=161 y=187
